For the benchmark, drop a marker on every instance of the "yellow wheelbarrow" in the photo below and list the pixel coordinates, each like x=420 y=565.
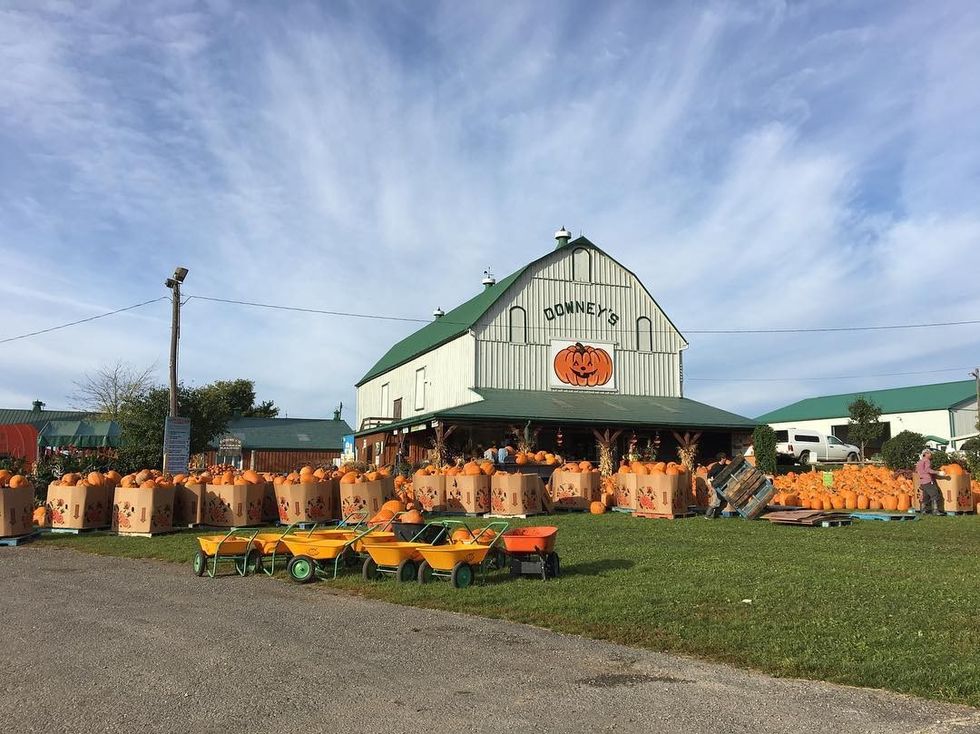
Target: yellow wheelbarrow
x=461 y=561
x=400 y=559
x=240 y=550
x=314 y=557
x=273 y=551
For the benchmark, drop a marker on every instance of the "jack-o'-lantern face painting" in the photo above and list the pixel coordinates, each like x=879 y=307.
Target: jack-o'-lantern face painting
x=583 y=366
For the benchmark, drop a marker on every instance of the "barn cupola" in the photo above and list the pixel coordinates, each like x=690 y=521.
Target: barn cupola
x=562 y=236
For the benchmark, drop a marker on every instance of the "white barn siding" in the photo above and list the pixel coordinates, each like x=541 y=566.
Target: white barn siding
x=926 y=422
x=965 y=419
x=503 y=364
x=448 y=374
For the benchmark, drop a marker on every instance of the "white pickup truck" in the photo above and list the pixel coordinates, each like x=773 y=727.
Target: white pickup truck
x=797 y=444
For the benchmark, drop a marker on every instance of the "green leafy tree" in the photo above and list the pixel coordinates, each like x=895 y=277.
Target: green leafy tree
x=863 y=426
x=902 y=451
x=239 y=396
x=971 y=451
x=764 y=446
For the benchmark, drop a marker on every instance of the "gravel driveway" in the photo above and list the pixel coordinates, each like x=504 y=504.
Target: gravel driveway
x=110 y=644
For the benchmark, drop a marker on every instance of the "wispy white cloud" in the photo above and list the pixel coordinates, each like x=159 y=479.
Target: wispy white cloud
x=760 y=164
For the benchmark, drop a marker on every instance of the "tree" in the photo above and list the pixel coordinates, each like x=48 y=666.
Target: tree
x=863 y=426
x=239 y=396
x=764 y=447
x=104 y=391
x=209 y=407
x=902 y=451
x=971 y=450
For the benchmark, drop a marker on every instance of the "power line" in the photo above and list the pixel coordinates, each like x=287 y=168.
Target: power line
x=838 y=377
x=80 y=321
x=443 y=320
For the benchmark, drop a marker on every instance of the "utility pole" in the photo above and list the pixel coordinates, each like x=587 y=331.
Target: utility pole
x=174 y=285
x=976 y=376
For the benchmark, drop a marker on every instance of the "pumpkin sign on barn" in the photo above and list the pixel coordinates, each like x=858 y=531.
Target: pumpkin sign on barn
x=582 y=365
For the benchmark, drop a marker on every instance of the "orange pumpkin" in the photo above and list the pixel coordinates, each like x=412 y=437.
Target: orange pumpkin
x=351 y=477
x=520 y=459
x=42 y=517
x=597 y=508
x=583 y=366
x=18 y=481
x=148 y=484
x=863 y=503
x=412 y=516
x=638 y=467
x=585 y=465
x=472 y=469
x=392 y=506
x=251 y=477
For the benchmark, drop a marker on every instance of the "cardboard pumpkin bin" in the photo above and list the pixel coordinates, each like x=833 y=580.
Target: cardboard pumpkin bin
x=16 y=511
x=144 y=512
x=233 y=505
x=662 y=495
x=366 y=496
x=516 y=494
x=626 y=487
x=957 y=493
x=574 y=490
x=189 y=500
x=309 y=502
x=468 y=494
x=430 y=491
x=82 y=507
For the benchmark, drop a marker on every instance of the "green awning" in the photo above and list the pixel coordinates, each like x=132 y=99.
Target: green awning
x=80 y=434
x=591 y=408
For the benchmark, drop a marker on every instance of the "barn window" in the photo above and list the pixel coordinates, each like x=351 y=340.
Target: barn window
x=420 y=389
x=384 y=400
x=582 y=265
x=644 y=334
x=518 y=325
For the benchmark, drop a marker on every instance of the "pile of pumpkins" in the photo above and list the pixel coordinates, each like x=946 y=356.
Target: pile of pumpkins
x=670 y=468
x=541 y=457
x=853 y=487
x=470 y=468
x=13 y=481
x=110 y=479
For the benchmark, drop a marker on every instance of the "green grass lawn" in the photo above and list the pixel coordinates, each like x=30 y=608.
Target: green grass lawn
x=882 y=604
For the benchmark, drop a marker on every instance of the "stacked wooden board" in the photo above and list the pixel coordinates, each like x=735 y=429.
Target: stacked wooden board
x=809 y=518
x=745 y=488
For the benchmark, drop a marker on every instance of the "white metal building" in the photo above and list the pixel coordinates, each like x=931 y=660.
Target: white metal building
x=494 y=360
x=943 y=413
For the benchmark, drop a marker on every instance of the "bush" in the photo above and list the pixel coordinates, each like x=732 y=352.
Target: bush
x=971 y=452
x=902 y=451
x=942 y=458
x=764 y=446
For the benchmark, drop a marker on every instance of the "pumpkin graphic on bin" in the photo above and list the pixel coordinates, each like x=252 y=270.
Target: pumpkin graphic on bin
x=583 y=366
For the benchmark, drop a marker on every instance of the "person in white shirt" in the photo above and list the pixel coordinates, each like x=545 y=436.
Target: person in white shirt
x=491 y=453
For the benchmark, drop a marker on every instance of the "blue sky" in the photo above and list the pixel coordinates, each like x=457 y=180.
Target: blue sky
x=757 y=164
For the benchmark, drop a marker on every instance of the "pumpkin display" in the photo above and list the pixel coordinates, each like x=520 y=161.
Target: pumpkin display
x=579 y=365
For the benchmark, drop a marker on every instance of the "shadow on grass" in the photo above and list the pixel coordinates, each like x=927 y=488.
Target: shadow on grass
x=597 y=568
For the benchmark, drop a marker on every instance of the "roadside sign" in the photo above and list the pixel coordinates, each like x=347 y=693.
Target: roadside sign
x=176 y=445
x=828 y=479
x=348 y=452
x=230 y=446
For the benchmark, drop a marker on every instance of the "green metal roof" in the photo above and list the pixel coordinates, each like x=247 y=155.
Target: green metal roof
x=942 y=396
x=464 y=317
x=583 y=407
x=81 y=434
x=38 y=418
x=455 y=322
x=310 y=434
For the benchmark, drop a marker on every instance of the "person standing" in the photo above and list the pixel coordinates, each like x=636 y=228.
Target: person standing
x=503 y=454
x=930 y=499
x=714 y=502
x=491 y=453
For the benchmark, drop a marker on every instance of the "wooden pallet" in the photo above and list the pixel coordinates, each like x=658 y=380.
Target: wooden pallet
x=557 y=508
x=954 y=513
x=149 y=535
x=512 y=517
x=19 y=539
x=624 y=510
x=664 y=515
x=884 y=516
x=809 y=518
x=78 y=531
x=461 y=514
x=745 y=488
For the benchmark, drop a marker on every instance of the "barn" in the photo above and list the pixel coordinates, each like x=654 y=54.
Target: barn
x=568 y=349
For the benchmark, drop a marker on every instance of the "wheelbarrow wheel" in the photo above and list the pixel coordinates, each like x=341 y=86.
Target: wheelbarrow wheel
x=302 y=569
x=369 y=571
x=462 y=575
x=407 y=571
x=253 y=561
x=552 y=565
x=200 y=563
x=499 y=560
x=425 y=572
